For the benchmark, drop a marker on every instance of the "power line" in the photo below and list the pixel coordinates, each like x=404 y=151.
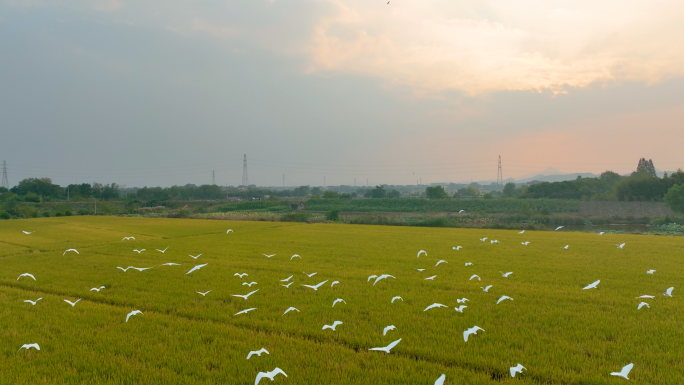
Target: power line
x=245 y=178
x=499 y=174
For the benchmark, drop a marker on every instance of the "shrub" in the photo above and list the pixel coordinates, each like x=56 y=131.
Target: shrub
x=68 y=213
x=675 y=198
x=46 y=214
x=4 y=215
x=58 y=214
x=332 y=215
x=296 y=216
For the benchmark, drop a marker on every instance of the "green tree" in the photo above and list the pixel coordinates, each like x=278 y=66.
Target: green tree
x=509 y=190
x=301 y=191
x=675 y=198
x=316 y=191
x=332 y=215
x=42 y=187
x=610 y=177
x=378 y=192
x=435 y=192
x=645 y=167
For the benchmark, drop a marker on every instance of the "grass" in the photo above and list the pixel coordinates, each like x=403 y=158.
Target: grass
x=563 y=335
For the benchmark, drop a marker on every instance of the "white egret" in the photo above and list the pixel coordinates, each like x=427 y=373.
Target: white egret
x=170 y=264
x=441 y=261
x=288 y=285
x=244 y=275
x=138 y=251
x=245 y=311
x=474 y=276
x=461 y=211
x=124 y=270
x=592 y=285
x=650 y=271
x=601 y=233
x=525 y=243
x=371 y=277
x=29 y=346
x=517 y=369
x=269 y=375
x=494 y=241
x=268 y=256
x=315 y=287
x=421 y=251
x=558 y=228
x=257 y=352
x=289 y=309
x=457 y=248
x=437 y=305
x=472 y=330
x=388 y=328
x=668 y=292
x=334 y=283
x=140 y=268
x=383 y=276
x=134 y=312
x=522 y=232
x=431 y=278
x=505 y=275
x=624 y=372
x=338 y=300
x=620 y=246
x=163 y=251
x=296 y=255
x=244 y=296
x=195 y=257
x=68 y=250
x=397 y=297
x=127 y=239
x=440 y=380
x=642 y=304
x=460 y=308
x=196 y=268
x=486 y=289
x=282 y=280
x=503 y=297
x=483 y=239
x=33 y=302
x=27 y=232
x=333 y=326
x=387 y=348
x=646 y=296
x=249 y=284
x=72 y=303
x=26 y=275
x=229 y=231
x=310 y=275
x=97 y=289
x=565 y=247
x=468 y=263
x=462 y=300
x=204 y=294
x=420 y=269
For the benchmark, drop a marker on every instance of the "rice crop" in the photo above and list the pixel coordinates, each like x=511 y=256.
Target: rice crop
x=502 y=205
x=559 y=332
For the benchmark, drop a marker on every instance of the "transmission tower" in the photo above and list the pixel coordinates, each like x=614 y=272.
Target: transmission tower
x=499 y=174
x=245 y=178
x=213 y=175
x=5 y=182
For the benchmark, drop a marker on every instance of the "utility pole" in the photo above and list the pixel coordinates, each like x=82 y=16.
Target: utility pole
x=245 y=178
x=499 y=174
x=5 y=182
x=213 y=175
x=283 y=180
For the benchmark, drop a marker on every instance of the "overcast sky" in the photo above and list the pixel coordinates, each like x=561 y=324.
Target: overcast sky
x=159 y=93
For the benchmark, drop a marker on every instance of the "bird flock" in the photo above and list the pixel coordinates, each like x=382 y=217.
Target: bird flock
x=467 y=334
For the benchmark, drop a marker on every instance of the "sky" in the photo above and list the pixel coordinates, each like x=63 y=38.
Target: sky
x=329 y=92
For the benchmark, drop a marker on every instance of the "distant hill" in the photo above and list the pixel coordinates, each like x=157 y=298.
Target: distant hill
x=557 y=177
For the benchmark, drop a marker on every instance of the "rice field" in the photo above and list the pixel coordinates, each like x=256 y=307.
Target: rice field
x=559 y=332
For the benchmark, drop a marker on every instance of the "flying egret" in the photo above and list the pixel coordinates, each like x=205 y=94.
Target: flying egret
x=282 y=280
x=288 y=285
x=601 y=233
x=229 y=231
x=204 y=294
x=289 y=309
x=440 y=380
x=245 y=311
x=642 y=304
x=124 y=270
x=624 y=372
x=383 y=276
x=334 y=283
x=461 y=211
x=97 y=289
x=26 y=275
x=134 y=312
x=457 y=248
x=27 y=232
x=371 y=277
x=68 y=250
x=249 y=284
x=170 y=264
x=503 y=297
x=462 y=300
x=522 y=232
x=592 y=285
x=486 y=289
x=163 y=251
x=620 y=246
x=420 y=269
x=196 y=268
x=72 y=303
x=310 y=275
x=668 y=292
x=558 y=228
x=460 y=308
x=257 y=352
x=268 y=256
x=525 y=243
x=517 y=369
x=127 y=238
x=269 y=375
x=472 y=330
x=33 y=302
x=441 y=261
x=505 y=275
x=397 y=297
x=565 y=247
x=650 y=271
x=29 y=346
x=138 y=251
x=339 y=300
x=296 y=255
x=437 y=305
x=315 y=287
x=244 y=296
x=483 y=239
x=494 y=241
x=421 y=251
x=333 y=326
x=475 y=276
x=388 y=328
x=195 y=257
x=646 y=296
x=245 y=275
x=140 y=268
x=431 y=278
x=387 y=348
x=468 y=263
